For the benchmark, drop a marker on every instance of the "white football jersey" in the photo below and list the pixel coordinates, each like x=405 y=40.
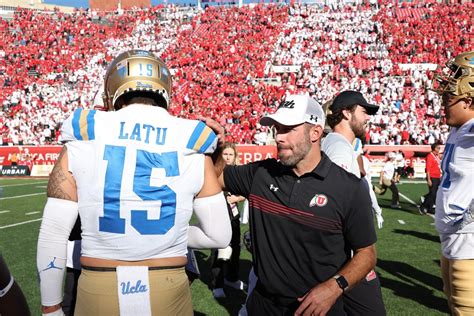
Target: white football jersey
x=341 y=152
x=137 y=172
x=454 y=200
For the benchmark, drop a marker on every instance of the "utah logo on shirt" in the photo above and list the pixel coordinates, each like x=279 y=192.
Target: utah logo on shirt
x=319 y=200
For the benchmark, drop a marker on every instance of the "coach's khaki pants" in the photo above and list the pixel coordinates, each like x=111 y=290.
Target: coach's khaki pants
x=458 y=285
x=169 y=293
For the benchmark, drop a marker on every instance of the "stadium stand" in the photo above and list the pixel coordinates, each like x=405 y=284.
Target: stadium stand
x=234 y=64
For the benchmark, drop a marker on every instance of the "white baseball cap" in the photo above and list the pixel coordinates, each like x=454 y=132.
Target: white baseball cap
x=295 y=110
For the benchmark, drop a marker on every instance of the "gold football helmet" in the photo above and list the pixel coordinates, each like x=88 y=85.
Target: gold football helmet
x=458 y=76
x=136 y=70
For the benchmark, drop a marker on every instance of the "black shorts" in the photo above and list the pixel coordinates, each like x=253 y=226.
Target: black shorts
x=365 y=299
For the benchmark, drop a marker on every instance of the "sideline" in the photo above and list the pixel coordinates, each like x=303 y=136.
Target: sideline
x=415 y=204
x=20 y=196
x=21 y=223
x=408 y=199
x=20 y=184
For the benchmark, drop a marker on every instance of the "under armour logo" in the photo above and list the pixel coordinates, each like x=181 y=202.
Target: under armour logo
x=287 y=104
x=273 y=188
x=313 y=118
x=51 y=266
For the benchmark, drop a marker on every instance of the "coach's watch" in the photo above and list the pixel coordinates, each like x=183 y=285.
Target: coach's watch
x=341 y=281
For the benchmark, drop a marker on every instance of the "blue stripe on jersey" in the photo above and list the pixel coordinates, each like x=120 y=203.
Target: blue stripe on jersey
x=195 y=135
x=76 y=127
x=91 y=124
x=210 y=139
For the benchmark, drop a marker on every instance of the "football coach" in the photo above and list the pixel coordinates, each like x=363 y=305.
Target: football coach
x=306 y=215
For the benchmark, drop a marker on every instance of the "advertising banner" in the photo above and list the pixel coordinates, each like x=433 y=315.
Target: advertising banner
x=14 y=171
x=40 y=159
x=37 y=155
x=250 y=153
x=41 y=170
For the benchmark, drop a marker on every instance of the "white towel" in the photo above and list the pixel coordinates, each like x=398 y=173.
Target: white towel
x=133 y=291
x=74 y=254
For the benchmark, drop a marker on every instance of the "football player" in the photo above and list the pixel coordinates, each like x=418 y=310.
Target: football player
x=347 y=115
x=12 y=300
x=454 y=201
x=134 y=175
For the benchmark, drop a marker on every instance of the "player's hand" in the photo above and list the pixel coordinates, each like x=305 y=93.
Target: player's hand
x=379 y=220
x=232 y=199
x=216 y=127
x=429 y=183
x=320 y=299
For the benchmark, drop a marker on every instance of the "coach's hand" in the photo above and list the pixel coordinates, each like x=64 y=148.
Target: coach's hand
x=320 y=299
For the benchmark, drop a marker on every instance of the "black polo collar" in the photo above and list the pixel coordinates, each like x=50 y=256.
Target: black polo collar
x=322 y=169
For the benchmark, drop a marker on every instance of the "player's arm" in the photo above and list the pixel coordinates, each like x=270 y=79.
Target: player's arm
x=219 y=162
x=210 y=207
x=59 y=216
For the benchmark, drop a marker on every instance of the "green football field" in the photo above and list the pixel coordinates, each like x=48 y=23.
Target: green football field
x=408 y=253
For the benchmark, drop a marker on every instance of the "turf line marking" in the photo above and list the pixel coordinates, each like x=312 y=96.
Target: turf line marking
x=412 y=181
x=20 y=196
x=20 y=184
x=31 y=213
x=6 y=211
x=408 y=199
x=21 y=223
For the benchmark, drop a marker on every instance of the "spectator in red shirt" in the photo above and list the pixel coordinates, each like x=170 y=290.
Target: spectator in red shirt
x=433 y=178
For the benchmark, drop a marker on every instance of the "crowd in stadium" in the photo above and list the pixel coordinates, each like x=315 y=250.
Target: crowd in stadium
x=225 y=62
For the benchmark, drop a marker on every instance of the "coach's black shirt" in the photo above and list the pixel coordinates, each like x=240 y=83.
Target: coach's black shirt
x=302 y=227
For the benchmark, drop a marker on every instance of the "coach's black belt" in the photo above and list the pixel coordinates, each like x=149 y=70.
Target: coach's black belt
x=112 y=269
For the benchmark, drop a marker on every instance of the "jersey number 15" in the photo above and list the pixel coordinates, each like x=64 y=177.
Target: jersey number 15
x=145 y=162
